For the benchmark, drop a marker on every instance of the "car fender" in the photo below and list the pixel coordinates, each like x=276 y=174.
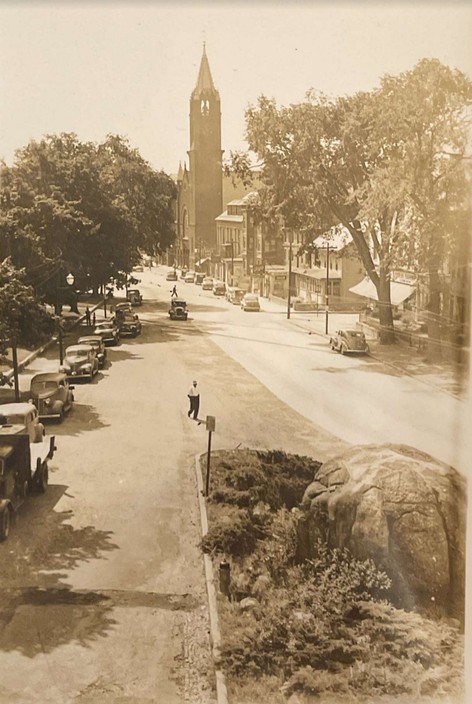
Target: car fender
x=57 y=407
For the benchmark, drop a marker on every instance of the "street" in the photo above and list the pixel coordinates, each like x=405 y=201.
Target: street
x=103 y=594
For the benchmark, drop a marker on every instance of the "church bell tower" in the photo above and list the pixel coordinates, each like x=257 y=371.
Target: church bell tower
x=205 y=156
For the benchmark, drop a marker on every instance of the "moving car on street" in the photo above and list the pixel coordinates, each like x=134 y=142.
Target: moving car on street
x=178 y=309
x=98 y=345
x=207 y=283
x=349 y=342
x=219 y=288
x=189 y=277
x=135 y=297
x=51 y=394
x=80 y=362
x=234 y=295
x=108 y=331
x=250 y=302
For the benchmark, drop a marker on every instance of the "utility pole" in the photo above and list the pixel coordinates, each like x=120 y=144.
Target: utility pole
x=327 y=289
x=14 y=354
x=289 y=296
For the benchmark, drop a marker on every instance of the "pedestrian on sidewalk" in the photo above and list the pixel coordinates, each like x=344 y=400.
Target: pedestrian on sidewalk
x=194 y=398
x=93 y=319
x=88 y=317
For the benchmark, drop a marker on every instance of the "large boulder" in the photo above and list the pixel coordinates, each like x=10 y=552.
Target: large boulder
x=403 y=509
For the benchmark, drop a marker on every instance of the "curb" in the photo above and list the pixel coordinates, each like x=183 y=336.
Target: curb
x=215 y=635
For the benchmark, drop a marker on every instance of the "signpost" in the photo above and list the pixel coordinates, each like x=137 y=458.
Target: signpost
x=210 y=426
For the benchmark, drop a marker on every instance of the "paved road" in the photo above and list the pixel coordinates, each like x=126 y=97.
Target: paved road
x=103 y=597
x=358 y=399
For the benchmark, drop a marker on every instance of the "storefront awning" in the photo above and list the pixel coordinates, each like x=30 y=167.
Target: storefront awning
x=399 y=292
x=202 y=261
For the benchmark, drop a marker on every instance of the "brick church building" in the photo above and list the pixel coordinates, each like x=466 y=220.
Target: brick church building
x=201 y=187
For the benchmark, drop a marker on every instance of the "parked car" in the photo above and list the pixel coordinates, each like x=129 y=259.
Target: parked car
x=189 y=277
x=26 y=415
x=80 y=362
x=129 y=324
x=138 y=267
x=219 y=288
x=178 y=309
x=108 y=331
x=171 y=275
x=98 y=345
x=234 y=295
x=349 y=342
x=23 y=469
x=182 y=273
x=135 y=297
x=124 y=305
x=207 y=283
x=51 y=394
x=68 y=320
x=250 y=301
x=199 y=278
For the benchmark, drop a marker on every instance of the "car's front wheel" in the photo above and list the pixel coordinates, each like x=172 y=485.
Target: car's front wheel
x=43 y=478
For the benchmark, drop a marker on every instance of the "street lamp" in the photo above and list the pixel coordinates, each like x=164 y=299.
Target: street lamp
x=327 y=286
x=70 y=280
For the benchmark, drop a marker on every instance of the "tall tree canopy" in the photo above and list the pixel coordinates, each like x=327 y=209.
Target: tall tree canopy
x=92 y=208
x=385 y=164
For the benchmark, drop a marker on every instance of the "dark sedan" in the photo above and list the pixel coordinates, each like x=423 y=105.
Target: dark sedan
x=349 y=342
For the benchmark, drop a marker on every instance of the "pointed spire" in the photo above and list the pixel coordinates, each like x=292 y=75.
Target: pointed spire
x=180 y=173
x=205 y=83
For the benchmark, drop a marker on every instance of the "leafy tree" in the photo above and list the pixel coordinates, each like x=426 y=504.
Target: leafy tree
x=21 y=316
x=377 y=163
x=89 y=208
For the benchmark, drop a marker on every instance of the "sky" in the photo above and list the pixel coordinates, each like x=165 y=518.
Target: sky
x=96 y=68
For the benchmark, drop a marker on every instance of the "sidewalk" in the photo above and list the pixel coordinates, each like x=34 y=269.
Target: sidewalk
x=446 y=376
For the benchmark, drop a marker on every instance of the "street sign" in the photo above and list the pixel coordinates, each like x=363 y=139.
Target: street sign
x=210 y=423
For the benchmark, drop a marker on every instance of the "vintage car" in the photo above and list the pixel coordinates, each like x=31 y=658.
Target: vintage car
x=80 y=362
x=250 y=301
x=234 y=295
x=25 y=415
x=124 y=305
x=207 y=283
x=189 y=277
x=219 y=288
x=51 y=394
x=108 y=331
x=23 y=469
x=135 y=297
x=349 y=342
x=171 y=275
x=199 y=278
x=128 y=324
x=98 y=345
x=178 y=309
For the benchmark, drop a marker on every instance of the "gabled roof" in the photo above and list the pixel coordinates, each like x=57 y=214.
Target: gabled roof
x=205 y=83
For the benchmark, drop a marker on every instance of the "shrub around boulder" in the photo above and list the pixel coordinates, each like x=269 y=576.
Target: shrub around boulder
x=403 y=509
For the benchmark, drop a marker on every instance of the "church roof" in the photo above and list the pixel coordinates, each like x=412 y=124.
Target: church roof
x=205 y=83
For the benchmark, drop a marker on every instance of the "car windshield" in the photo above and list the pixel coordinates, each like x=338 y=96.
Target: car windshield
x=40 y=385
x=76 y=353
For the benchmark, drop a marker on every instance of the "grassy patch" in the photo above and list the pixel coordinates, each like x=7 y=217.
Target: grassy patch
x=318 y=631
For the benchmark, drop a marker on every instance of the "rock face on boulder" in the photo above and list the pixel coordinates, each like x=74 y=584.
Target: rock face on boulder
x=403 y=509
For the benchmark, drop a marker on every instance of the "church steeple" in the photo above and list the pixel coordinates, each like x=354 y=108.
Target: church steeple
x=205 y=85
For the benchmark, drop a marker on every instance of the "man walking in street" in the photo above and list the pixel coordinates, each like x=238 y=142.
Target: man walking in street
x=88 y=317
x=194 y=398
x=174 y=292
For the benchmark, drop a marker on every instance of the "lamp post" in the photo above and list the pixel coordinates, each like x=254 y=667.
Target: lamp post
x=70 y=280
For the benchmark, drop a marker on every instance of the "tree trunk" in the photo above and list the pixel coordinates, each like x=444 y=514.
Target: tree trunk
x=387 y=332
